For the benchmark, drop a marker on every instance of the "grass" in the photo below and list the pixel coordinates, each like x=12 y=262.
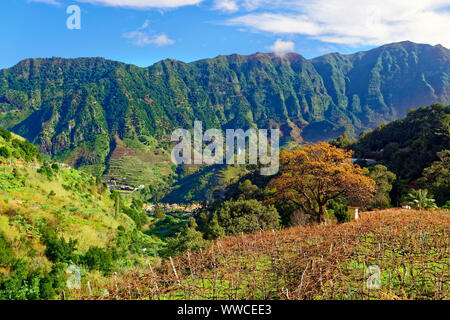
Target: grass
x=78 y=209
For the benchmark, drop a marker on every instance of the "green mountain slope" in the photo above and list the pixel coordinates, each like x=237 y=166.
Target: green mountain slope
x=78 y=109
x=52 y=217
x=416 y=148
x=410 y=144
x=382 y=84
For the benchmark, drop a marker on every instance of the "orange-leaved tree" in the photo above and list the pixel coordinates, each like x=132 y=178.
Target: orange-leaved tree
x=316 y=173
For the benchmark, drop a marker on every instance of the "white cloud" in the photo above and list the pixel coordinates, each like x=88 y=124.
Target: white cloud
x=356 y=22
x=140 y=37
x=162 y=40
x=280 y=47
x=226 y=5
x=52 y=2
x=276 y=23
x=144 y=4
x=231 y=6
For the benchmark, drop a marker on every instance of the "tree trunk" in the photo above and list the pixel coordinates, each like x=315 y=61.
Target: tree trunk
x=321 y=214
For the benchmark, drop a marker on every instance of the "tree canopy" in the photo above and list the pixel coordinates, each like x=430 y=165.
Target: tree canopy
x=314 y=174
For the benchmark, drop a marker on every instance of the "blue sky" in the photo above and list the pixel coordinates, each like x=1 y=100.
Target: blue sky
x=145 y=31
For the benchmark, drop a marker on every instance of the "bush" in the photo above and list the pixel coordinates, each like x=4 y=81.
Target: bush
x=58 y=250
x=136 y=213
x=130 y=241
x=46 y=290
x=20 y=285
x=4 y=152
x=188 y=239
x=6 y=253
x=5 y=134
x=339 y=209
x=247 y=216
x=46 y=171
x=98 y=259
x=26 y=284
x=213 y=228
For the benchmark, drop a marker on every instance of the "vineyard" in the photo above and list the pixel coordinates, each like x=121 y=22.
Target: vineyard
x=408 y=251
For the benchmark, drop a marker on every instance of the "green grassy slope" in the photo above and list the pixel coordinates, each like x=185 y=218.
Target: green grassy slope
x=45 y=207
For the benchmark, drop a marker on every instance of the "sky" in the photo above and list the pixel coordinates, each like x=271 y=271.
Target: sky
x=142 y=32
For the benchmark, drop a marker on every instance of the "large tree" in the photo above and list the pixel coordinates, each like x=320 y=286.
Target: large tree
x=383 y=179
x=437 y=177
x=314 y=174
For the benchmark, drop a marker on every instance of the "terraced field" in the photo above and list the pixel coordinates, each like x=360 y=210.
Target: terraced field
x=138 y=164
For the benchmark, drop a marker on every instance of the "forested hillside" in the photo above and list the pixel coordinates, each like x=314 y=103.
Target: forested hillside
x=80 y=110
x=415 y=148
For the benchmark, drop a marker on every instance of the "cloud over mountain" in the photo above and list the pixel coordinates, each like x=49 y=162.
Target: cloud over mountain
x=354 y=22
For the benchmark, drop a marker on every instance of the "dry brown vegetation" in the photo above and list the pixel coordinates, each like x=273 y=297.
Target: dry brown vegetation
x=410 y=247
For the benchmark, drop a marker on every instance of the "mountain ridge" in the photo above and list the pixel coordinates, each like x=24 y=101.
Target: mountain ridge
x=293 y=53
x=74 y=108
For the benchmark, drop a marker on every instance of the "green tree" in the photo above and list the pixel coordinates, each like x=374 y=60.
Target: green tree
x=338 y=207
x=4 y=152
x=247 y=216
x=342 y=141
x=247 y=190
x=383 y=179
x=47 y=171
x=5 y=134
x=188 y=239
x=213 y=228
x=436 y=177
x=159 y=213
x=98 y=259
x=58 y=250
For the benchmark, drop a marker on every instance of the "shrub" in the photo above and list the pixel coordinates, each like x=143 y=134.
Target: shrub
x=247 y=216
x=188 y=239
x=339 y=210
x=22 y=284
x=46 y=290
x=4 y=152
x=46 y=171
x=5 y=134
x=98 y=259
x=6 y=253
x=58 y=250
x=213 y=228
